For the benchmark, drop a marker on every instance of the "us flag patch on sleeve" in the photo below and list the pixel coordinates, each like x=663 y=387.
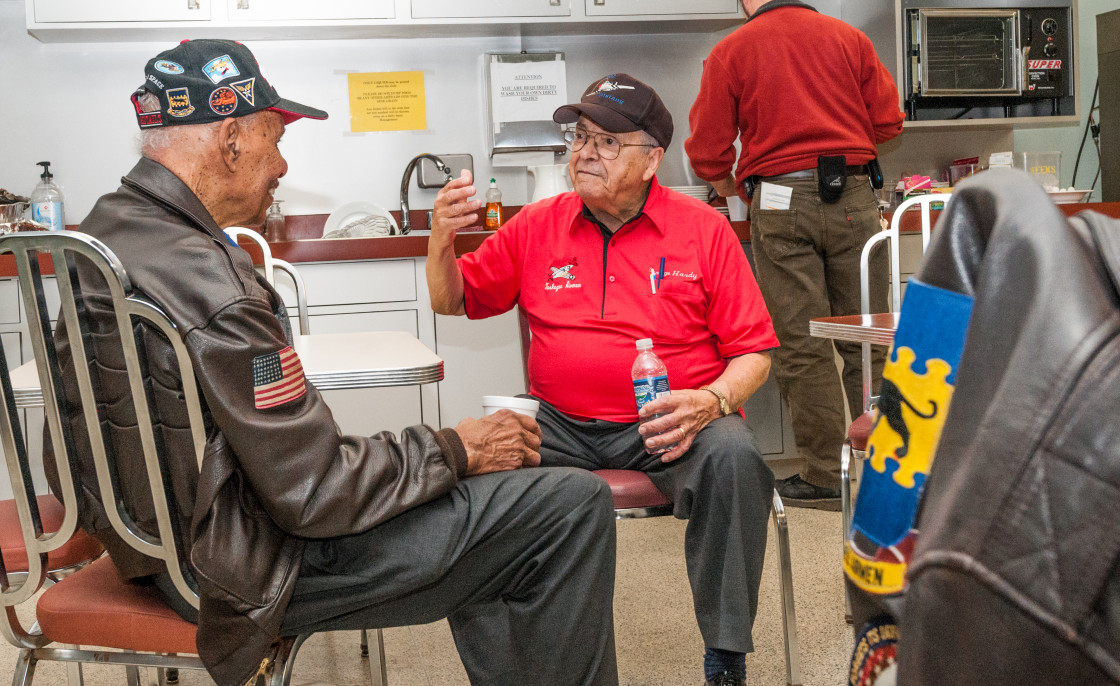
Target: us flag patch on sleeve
x=277 y=378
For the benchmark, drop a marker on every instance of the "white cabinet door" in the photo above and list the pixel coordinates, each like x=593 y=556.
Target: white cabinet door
x=667 y=7
x=353 y=283
x=439 y=9
x=61 y=11
x=302 y=9
x=9 y=302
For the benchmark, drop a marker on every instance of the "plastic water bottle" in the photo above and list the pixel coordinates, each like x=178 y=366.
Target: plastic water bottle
x=651 y=381
x=495 y=217
x=46 y=200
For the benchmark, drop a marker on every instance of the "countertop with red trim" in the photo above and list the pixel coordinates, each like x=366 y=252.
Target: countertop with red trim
x=306 y=246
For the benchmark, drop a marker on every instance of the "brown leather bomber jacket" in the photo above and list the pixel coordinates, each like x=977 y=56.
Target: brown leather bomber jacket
x=270 y=478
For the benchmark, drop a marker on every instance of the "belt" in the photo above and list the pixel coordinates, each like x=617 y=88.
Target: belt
x=850 y=170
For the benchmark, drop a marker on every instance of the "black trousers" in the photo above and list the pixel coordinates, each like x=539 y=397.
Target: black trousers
x=721 y=486
x=521 y=563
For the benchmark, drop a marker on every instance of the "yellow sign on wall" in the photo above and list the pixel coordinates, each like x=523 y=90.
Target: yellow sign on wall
x=387 y=101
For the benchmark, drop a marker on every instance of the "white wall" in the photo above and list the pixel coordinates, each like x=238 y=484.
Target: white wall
x=1067 y=139
x=69 y=103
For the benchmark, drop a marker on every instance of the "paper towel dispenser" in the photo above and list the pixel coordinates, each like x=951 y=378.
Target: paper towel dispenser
x=524 y=89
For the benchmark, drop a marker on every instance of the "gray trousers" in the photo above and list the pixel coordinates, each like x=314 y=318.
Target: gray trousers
x=521 y=563
x=721 y=486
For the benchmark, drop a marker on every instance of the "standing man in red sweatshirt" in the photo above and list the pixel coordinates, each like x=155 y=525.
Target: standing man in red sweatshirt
x=808 y=100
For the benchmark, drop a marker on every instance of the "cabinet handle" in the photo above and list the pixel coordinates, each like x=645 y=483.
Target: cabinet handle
x=600 y=2
x=242 y=4
x=192 y=4
x=554 y=3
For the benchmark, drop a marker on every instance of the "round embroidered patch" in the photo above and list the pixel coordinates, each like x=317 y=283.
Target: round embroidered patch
x=223 y=100
x=168 y=67
x=873 y=658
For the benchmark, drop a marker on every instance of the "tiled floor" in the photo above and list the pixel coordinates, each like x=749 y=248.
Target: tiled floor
x=658 y=642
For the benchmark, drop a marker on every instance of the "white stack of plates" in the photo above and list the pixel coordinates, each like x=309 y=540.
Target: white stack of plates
x=701 y=194
x=698 y=192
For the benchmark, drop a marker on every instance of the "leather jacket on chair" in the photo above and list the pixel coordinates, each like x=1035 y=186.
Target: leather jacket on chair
x=1015 y=576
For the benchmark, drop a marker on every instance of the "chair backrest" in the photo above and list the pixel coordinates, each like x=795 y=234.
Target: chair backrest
x=67 y=250
x=924 y=204
x=270 y=264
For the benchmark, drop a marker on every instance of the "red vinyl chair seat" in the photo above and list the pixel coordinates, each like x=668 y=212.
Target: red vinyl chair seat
x=860 y=430
x=631 y=488
x=95 y=607
x=80 y=548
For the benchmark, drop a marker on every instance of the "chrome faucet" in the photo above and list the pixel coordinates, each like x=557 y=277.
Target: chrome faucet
x=406 y=224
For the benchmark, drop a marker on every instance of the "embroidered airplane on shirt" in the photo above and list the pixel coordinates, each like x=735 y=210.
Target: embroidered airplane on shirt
x=564 y=272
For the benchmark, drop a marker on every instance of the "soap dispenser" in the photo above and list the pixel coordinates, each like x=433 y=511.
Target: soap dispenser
x=494 y=217
x=275 y=228
x=46 y=200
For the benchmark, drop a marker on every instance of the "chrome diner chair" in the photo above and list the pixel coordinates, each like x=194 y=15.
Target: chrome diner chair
x=116 y=622
x=859 y=431
x=269 y=264
x=860 y=428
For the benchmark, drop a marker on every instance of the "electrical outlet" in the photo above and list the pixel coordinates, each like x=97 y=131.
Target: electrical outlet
x=430 y=177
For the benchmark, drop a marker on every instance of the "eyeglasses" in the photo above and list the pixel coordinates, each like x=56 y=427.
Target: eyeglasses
x=607 y=145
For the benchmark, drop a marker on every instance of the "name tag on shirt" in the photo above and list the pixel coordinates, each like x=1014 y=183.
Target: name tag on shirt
x=774 y=197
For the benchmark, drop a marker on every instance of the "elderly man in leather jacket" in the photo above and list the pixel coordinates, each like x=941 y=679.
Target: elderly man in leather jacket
x=291 y=527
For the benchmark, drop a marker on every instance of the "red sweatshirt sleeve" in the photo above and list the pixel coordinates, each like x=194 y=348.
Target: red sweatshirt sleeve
x=879 y=94
x=713 y=121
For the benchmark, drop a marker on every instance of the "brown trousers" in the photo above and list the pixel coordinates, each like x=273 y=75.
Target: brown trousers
x=807 y=265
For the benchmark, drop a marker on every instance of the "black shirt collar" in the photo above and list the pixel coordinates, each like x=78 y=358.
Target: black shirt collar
x=607 y=233
x=775 y=4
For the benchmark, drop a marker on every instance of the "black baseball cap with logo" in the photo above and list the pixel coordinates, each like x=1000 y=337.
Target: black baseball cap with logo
x=201 y=81
x=621 y=103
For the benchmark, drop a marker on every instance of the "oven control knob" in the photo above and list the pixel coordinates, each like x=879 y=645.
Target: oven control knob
x=1049 y=26
x=1050 y=50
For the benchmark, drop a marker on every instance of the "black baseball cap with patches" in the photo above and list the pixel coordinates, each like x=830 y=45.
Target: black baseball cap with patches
x=201 y=81
x=621 y=103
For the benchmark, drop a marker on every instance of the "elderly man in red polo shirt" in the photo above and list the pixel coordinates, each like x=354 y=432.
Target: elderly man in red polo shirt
x=580 y=265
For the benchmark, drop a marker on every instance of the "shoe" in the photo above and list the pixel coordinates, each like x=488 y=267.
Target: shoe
x=725 y=679
x=796 y=492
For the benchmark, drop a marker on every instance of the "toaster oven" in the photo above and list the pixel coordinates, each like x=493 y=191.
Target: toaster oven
x=983 y=56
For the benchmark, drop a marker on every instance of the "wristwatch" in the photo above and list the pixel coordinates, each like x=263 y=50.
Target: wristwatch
x=724 y=408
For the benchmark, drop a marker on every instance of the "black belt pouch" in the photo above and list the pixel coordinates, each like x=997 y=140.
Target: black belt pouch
x=831 y=175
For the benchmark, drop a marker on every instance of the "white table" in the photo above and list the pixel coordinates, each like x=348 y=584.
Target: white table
x=366 y=359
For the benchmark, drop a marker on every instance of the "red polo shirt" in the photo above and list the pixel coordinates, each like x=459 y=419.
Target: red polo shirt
x=588 y=297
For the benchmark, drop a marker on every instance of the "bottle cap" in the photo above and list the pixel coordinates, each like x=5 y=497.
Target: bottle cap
x=644 y=344
x=46 y=175
x=493 y=183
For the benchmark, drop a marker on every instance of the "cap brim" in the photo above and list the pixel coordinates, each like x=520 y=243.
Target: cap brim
x=605 y=117
x=292 y=111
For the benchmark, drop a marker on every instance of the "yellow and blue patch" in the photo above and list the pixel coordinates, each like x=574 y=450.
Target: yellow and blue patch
x=179 y=102
x=918 y=383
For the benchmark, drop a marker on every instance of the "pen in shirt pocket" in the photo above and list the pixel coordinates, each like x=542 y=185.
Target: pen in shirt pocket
x=661 y=273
